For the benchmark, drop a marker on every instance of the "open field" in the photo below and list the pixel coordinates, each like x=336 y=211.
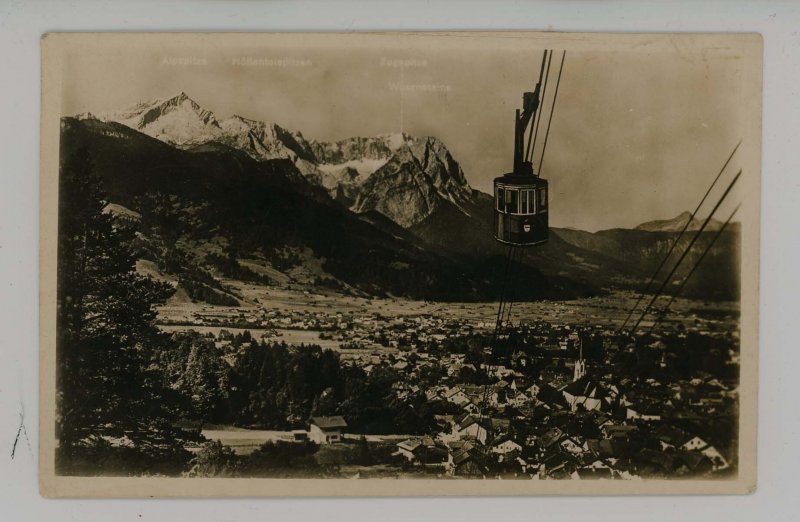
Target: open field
x=608 y=311
x=244 y=441
x=291 y=337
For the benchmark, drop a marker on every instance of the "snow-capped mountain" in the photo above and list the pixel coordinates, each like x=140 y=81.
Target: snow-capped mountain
x=177 y=120
x=343 y=167
x=358 y=148
x=416 y=228
x=403 y=177
x=182 y=122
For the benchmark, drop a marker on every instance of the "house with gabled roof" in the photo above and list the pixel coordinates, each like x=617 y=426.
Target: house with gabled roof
x=553 y=436
x=457 y=396
x=619 y=431
x=557 y=464
x=504 y=444
x=516 y=398
x=422 y=450
x=594 y=468
x=409 y=448
x=467 y=460
x=694 y=443
x=326 y=430
x=470 y=427
x=586 y=393
x=647 y=411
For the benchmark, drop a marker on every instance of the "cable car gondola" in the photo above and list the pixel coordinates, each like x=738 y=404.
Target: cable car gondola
x=520 y=197
x=521 y=202
x=520 y=212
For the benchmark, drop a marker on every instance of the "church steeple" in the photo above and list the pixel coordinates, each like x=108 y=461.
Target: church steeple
x=580 y=364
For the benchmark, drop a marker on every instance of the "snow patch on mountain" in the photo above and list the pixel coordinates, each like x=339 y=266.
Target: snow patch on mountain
x=177 y=120
x=181 y=122
x=364 y=166
x=396 y=140
x=403 y=177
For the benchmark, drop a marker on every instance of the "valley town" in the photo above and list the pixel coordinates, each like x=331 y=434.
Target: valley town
x=566 y=395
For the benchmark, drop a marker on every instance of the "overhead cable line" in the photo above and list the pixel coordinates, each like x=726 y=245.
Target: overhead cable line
x=697 y=264
x=532 y=135
x=677 y=239
x=552 y=110
x=685 y=253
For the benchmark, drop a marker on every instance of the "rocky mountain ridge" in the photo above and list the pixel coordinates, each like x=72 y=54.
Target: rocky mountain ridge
x=402 y=200
x=358 y=172
x=677 y=223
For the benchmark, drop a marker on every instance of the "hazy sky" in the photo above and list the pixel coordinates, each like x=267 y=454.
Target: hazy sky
x=635 y=136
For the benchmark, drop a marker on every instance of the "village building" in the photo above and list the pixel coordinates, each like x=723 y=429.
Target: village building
x=695 y=443
x=423 y=450
x=504 y=444
x=587 y=394
x=326 y=430
x=457 y=396
x=648 y=411
x=466 y=460
x=469 y=427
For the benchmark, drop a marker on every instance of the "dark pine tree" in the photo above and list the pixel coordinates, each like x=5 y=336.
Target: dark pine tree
x=113 y=412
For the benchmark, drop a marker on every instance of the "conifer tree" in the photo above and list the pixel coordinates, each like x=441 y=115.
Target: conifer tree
x=109 y=392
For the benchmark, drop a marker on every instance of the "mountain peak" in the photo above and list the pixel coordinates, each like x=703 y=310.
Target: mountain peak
x=247 y=121
x=180 y=99
x=419 y=177
x=404 y=177
x=396 y=140
x=678 y=223
x=177 y=120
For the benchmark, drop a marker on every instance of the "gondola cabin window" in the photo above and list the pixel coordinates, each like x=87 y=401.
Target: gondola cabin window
x=530 y=195
x=512 y=200
x=524 y=201
x=520 y=201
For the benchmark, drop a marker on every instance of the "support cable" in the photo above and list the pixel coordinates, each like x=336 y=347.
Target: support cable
x=685 y=253
x=677 y=239
x=697 y=264
x=552 y=110
x=534 y=133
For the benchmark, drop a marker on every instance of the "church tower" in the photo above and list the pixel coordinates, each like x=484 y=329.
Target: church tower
x=580 y=364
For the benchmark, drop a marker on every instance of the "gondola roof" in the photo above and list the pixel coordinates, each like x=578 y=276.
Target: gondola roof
x=520 y=179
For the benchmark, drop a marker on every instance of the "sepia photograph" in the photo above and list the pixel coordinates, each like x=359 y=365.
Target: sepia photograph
x=399 y=263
